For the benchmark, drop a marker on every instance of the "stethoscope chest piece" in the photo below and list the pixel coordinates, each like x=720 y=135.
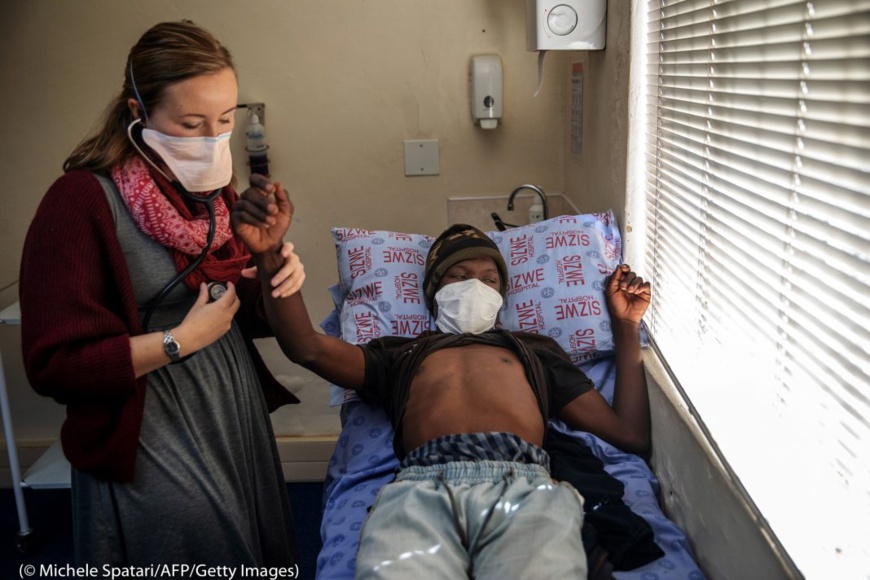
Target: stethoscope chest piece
x=216 y=290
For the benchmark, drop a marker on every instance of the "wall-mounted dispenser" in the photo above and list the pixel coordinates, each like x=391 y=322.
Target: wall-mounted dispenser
x=486 y=90
x=565 y=24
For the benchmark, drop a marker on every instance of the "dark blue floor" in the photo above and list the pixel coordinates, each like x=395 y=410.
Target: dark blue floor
x=50 y=515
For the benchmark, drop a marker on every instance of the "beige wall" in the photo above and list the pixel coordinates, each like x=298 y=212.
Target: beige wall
x=344 y=82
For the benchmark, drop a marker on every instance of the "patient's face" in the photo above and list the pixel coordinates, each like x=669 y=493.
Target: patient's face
x=483 y=269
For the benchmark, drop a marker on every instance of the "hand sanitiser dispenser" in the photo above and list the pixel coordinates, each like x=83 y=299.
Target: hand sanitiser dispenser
x=565 y=24
x=486 y=90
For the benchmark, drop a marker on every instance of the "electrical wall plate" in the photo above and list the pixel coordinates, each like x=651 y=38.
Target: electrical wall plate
x=421 y=157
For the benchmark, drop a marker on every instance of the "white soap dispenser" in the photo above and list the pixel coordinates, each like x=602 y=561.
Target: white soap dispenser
x=486 y=90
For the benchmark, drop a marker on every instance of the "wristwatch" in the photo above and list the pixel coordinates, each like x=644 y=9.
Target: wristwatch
x=170 y=345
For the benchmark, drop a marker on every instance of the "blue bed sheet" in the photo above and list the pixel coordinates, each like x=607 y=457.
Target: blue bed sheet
x=363 y=462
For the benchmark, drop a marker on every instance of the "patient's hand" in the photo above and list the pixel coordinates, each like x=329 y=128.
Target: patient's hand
x=628 y=296
x=262 y=214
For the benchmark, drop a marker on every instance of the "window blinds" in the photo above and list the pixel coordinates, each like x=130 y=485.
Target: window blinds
x=757 y=215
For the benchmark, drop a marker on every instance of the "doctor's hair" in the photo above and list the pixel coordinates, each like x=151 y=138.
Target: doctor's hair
x=167 y=53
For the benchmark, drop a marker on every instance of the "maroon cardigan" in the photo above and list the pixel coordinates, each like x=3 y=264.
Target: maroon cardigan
x=78 y=312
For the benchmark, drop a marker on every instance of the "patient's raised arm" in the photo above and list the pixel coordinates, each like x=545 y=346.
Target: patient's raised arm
x=628 y=298
x=260 y=218
x=627 y=423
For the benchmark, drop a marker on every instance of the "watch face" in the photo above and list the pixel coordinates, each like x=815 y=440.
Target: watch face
x=171 y=346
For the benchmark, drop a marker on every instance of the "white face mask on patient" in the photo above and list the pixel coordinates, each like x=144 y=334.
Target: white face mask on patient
x=468 y=306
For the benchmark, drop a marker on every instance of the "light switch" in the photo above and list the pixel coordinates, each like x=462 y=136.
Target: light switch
x=421 y=157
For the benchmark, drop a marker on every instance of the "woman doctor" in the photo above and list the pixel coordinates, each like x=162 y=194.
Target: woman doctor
x=173 y=456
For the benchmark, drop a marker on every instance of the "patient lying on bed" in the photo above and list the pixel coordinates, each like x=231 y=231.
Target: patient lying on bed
x=469 y=405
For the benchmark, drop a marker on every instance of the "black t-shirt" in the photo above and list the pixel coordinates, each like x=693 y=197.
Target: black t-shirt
x=391 y=362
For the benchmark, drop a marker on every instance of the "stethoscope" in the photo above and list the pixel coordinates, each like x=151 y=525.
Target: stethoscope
x=215 y=289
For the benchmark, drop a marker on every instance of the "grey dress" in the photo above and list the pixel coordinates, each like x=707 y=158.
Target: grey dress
x=208 y=486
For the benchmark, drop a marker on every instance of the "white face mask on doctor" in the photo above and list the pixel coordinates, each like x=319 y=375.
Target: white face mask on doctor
x=198 y=163
x=469 y=306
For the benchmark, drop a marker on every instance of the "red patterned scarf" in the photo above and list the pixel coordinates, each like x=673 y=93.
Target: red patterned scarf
x=161 y=212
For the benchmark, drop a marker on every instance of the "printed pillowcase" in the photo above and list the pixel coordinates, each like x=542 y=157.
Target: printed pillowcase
x=379 y=291
x=380 y=287
x=557 y=268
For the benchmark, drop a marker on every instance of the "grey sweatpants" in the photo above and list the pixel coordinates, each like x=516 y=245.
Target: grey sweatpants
x=480 y=519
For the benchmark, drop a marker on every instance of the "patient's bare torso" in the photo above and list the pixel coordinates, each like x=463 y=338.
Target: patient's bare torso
x=469 y=389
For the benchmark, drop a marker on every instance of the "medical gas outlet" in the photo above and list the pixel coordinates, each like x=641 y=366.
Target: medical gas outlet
x=486 y=90
x=255 y=138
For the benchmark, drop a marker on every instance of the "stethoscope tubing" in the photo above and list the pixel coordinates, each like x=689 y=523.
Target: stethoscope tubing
x=208 y=201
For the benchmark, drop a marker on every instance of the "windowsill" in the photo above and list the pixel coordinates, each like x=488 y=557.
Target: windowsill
x=699 y=493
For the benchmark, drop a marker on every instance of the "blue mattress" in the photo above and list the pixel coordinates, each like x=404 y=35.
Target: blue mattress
x=363 y=462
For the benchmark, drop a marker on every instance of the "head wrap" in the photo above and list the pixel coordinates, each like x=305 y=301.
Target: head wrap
x=457 y=243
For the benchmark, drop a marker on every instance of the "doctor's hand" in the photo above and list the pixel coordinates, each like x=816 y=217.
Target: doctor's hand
x=207 y=321
x=262 y=214
x=628 y=296
x=289 y=278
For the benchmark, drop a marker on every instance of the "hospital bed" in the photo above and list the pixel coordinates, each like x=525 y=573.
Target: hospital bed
x=557 y=271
